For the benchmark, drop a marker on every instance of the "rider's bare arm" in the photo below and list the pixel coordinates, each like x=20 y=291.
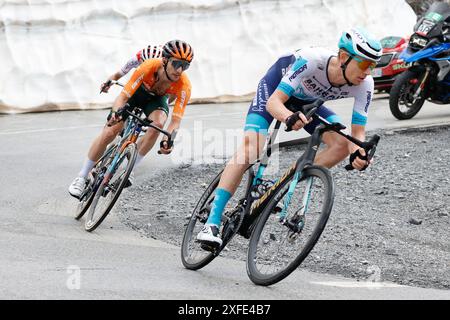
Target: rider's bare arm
x=358 y=132
x=116 y=76
x=181 y=94
x=132 y=63
x=173 y=125
x=181 y=97
x=276 y=107
x=120 y=101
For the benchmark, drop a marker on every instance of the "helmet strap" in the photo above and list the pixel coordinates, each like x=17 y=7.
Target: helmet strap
x=344 y=68
x=165 y=70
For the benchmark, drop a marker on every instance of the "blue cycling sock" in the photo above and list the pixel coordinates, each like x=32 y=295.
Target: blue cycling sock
x=220 y=201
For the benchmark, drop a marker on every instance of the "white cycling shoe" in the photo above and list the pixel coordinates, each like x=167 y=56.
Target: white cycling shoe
x=77 y=187
x=209 y=235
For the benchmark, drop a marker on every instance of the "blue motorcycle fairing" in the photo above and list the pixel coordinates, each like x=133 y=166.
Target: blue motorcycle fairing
x=408 y=56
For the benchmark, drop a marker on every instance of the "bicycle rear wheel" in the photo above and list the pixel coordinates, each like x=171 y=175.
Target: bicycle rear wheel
x=277 y=248
x=192 y=254
x=110 y=188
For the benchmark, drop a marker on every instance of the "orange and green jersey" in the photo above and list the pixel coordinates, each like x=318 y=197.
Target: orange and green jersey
x=146 y=74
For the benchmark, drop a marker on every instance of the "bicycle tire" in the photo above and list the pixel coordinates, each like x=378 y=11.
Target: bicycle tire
x=188 y=239
x=83 y=205
x=255 y=275
x=130 y=153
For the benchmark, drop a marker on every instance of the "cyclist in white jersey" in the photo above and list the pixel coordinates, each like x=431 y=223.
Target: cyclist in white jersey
x=151 y=52
x=292 y=82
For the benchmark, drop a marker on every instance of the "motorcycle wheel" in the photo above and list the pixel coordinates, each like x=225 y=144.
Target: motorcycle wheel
x=401 y=100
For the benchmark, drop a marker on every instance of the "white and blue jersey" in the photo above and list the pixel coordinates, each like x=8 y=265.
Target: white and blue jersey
x=303 y=77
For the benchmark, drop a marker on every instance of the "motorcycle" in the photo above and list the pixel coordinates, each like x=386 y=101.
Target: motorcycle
x=428 y=58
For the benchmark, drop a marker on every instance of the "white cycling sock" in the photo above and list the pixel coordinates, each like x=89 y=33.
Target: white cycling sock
x=87 y=167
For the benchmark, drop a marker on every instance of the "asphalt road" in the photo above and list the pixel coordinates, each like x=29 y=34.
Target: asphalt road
x=46 y=254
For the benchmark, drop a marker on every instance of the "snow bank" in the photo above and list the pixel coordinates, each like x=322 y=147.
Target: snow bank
x=55 y=53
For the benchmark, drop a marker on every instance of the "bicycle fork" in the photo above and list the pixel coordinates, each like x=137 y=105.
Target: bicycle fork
x=296 y=223
x=110 y=172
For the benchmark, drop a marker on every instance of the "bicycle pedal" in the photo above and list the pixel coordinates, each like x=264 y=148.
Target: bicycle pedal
x=207 y=247
x=210 y=247
x=293 y=237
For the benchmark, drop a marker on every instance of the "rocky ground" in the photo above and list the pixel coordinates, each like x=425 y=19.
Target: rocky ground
x=393 y=218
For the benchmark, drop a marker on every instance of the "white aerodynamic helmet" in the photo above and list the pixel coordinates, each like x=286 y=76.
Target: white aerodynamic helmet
x=151 y=52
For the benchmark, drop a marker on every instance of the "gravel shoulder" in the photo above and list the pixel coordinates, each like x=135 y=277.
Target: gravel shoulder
x=392 y=219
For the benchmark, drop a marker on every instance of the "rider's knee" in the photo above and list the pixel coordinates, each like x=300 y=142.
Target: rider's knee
x=251 y=154
x=157 y=123
x=341 y=149
x=110 y=133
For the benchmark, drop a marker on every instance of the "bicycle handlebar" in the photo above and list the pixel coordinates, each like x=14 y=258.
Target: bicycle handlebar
x=170 y=140
x=109 y=83
x=370 y=147
x=148 y=123
x=144 y=122
x=310 y=111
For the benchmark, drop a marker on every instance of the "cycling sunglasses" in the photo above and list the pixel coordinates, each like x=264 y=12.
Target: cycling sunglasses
x=180 y=63
x=364 y=64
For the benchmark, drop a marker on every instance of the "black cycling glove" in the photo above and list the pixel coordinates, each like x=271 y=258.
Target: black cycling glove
x=359 y=155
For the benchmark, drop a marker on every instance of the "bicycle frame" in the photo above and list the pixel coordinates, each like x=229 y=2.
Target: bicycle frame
x=131 y=133
x=253 y=209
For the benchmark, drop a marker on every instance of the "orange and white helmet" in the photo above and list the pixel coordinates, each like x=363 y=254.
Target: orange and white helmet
x=178 y=49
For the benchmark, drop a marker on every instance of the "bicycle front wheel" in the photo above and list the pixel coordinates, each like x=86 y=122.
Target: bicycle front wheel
x=283 y=237
x=89 y=193
x=110 y=188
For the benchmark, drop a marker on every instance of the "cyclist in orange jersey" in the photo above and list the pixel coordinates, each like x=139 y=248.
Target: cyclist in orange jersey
x=147 y=89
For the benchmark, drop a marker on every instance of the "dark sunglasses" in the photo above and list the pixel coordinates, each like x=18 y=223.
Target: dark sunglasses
x=180 y=63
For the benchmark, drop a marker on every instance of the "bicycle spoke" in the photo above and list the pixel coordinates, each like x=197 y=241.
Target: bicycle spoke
x=278 y=246
x=107 y=194
x=193 y=255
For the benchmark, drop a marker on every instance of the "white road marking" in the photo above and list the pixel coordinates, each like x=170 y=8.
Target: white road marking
x=362 y=284
x=47 y=130
x=9 y=132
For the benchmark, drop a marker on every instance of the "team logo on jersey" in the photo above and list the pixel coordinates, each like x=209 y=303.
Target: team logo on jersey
x=137 y=82
x=183 y=97
x=261 y=97
x=298 y=72
x=369 y=99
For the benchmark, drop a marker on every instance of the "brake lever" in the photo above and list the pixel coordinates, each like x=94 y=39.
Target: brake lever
x=171 y=140
x=369 y=147
x=106 y=84
x=109 y=83
x=172 y=137
x=374 y=141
